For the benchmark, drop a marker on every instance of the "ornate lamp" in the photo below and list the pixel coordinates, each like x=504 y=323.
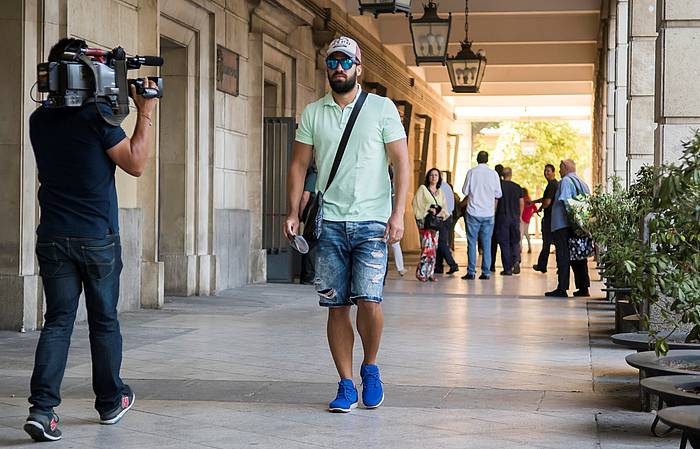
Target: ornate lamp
x=466 y=68
x=431 y=35
x=377 y=7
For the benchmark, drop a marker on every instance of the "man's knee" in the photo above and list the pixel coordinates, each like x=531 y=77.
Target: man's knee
x=340 y=312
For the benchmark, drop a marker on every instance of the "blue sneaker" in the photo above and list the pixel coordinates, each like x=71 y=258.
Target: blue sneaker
x=372 y=391
x=346 y=399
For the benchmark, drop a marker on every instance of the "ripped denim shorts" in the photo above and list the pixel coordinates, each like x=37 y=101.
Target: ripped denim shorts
x=350 y=263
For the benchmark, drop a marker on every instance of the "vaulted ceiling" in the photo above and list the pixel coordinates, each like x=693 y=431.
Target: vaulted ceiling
x=537 y=50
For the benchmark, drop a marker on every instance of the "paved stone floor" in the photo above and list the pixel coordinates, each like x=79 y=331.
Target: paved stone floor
x=478 y=364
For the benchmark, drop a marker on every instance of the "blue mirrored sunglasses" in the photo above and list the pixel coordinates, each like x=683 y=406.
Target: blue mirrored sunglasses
x=346 y=63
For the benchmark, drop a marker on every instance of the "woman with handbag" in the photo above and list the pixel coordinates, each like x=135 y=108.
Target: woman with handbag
x=428 y=208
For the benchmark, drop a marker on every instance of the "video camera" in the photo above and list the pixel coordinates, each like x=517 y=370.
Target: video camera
x=86 y=75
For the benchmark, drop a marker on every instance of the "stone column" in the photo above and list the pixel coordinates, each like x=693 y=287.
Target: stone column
x=621 y=63
x=152 y=271
x=677 y=105
x=610 y=94
x=640 y=86
x=257 y=269
x=20 y=304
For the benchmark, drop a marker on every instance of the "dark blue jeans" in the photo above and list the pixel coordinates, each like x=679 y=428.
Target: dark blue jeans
x=67 y=266
x=507 y=234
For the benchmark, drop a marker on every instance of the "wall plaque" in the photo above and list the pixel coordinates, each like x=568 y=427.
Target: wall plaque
x=227 y=70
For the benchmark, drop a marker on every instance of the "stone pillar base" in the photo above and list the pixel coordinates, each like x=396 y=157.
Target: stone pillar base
x=258 y=266
x=21 y=302
x=206 y=268
x=180 y=274
x=152 y=285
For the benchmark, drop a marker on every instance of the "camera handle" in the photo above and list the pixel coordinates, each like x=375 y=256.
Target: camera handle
x=122 y=103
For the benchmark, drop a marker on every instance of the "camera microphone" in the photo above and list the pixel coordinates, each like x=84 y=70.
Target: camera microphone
x=148 y=60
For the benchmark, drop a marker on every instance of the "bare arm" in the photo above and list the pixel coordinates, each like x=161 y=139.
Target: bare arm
x=522 y=206
x=301 y=158
x=398 y=155
x=305 y=196
x=131 y=154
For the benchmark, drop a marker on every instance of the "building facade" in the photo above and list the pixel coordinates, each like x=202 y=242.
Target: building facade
x=206 y=215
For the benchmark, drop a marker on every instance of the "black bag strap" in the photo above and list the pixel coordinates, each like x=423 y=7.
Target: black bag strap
x=431 y=194
x=346 y=136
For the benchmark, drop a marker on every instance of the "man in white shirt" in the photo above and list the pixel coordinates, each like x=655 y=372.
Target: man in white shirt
x=444 y=252
x=482 y=188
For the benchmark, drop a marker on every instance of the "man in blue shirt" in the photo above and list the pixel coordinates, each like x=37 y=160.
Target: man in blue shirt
x=569 y=186
x=78 y=246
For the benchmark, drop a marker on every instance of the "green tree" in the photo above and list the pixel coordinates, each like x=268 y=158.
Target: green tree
x=554 y=141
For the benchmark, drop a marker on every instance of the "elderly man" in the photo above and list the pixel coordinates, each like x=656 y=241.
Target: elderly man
x=569 y=186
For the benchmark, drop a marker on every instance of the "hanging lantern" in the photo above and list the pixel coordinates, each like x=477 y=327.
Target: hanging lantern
x=466 y=68
x=431 y=35
x=377 y=7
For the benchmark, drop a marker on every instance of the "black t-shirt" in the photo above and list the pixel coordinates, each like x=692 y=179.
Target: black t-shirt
x=508 y=208
x=549 y=193
x=77 y=194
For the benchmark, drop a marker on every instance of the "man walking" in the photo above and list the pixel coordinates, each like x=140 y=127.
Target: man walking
x=358 y=220
x=569 y=186
x=482 y=189
x=78 y=246
x=510 y=208
x=444 y=251
x=546 y=201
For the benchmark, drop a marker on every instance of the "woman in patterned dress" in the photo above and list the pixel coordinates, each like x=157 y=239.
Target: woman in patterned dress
x=428 y=200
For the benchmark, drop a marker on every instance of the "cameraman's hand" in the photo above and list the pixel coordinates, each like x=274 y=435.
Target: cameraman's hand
x=143 y=105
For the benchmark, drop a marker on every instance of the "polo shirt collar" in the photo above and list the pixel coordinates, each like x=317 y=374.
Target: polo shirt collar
x=329 y=101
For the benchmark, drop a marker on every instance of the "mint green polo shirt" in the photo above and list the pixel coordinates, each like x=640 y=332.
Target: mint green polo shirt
x=361 y=190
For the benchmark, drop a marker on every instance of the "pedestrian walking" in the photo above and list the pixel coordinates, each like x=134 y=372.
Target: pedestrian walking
x=569 y=186
x=430 y=213
x=482 y=189
x=546 y=207
x=508 y=212
x=78 y=245
x=355 y=206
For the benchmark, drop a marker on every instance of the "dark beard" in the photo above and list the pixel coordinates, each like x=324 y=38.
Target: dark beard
x=341 y=86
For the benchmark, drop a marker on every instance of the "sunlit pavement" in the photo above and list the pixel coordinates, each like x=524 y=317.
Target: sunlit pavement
x=466 y=364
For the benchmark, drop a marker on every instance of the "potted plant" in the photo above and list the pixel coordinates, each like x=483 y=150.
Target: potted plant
x=672 y=281
x=614 y=222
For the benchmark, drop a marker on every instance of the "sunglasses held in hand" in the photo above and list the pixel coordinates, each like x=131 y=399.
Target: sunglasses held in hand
x=299 y=243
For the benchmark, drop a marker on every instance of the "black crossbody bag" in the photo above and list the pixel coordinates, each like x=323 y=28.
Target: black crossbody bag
x=432 y=221
x=314 y=219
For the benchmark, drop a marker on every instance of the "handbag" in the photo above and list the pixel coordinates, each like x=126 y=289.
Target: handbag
x=432 y=221
x=580 y=248
x=314 y=218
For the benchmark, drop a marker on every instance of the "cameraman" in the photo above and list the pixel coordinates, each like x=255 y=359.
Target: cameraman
x=78 y=246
